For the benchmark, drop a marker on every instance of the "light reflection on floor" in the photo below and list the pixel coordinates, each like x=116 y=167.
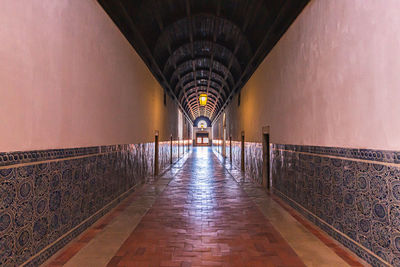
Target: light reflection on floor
x=204 y=218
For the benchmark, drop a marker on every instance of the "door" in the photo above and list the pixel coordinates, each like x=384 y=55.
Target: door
x=266 y=161
x=202 y=139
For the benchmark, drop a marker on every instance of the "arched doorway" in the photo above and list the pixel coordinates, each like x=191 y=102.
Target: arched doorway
x=202 y=131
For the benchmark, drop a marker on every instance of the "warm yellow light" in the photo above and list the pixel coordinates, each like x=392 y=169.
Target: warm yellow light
x=203 y=99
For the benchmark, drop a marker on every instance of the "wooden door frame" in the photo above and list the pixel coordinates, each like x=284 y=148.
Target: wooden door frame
x=266 y=158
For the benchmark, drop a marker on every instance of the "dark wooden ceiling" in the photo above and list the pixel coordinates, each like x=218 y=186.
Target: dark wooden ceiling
x=203 y=46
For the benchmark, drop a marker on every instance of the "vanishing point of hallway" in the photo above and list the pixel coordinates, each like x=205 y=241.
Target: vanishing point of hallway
x=197 y=214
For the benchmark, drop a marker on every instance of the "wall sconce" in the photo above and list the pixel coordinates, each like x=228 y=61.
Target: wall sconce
x=203 y=99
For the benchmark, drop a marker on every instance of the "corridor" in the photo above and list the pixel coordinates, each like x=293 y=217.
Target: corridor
x=199 y=133
x=201 y=217
x=204 y=218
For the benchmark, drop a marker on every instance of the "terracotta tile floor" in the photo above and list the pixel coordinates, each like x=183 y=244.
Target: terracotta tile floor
x=312 y=245
x=204 y=218
x=202 y=212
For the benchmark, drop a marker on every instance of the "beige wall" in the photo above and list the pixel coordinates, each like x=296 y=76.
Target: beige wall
x=332 y=80
x=69 y=78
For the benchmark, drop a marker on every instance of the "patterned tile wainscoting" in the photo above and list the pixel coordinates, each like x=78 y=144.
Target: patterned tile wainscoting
x=253 y=160
x=185 y=146
x=165 y=148
x=353 y=195
x=177 y=151
x=217 y=145
x=253 y=157
x=49 y=197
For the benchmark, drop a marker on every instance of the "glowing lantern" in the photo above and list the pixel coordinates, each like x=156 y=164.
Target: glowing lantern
x=203 y=99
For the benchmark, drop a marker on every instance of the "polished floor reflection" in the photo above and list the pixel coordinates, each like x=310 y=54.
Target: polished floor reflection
x=196 y=214
x=204 y=218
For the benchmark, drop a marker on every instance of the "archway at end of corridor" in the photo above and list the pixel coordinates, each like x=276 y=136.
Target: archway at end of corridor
x=202 y=131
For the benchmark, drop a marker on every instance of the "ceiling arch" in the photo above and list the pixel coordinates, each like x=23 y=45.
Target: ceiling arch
x=201 y=87
x=201 y=27
x=202 y=49
x=205 y=46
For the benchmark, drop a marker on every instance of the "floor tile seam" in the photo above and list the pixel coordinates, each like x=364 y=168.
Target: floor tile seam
x=258 y=208
x=322 y=236
x=208 y=252
x=311 y=231
x=256 y=187
x=152 y=204
x=95 y=224
x=298 y=214
x=113 y=214
x=130 y=200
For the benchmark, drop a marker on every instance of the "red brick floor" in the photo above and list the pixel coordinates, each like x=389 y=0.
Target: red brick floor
x=204 y=218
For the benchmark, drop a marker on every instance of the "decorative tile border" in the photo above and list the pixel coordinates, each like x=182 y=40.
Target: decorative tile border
x=46 y=195
x=254 y=161
x=178 y=149
x=352 y=194
x=357 y=201
x=18 y=157
x=343 y=239
x=253 y=157
x=257 y=193
x=351 y=153
x=46 y=253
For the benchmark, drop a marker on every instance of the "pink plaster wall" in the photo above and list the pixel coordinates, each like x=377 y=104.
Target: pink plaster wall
x=68 y=78
x=332 y=80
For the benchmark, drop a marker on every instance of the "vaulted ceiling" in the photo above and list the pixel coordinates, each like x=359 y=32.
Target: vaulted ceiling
x=203 y=46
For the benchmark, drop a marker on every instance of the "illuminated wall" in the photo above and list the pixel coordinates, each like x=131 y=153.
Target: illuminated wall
x=329 y=93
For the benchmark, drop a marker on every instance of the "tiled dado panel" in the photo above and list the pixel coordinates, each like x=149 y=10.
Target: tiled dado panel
x=236 y=153
x=165 y=151
x=216 y=145
x=354 y=195
x=46 y=194
x=253 y=161
x=253 y=157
